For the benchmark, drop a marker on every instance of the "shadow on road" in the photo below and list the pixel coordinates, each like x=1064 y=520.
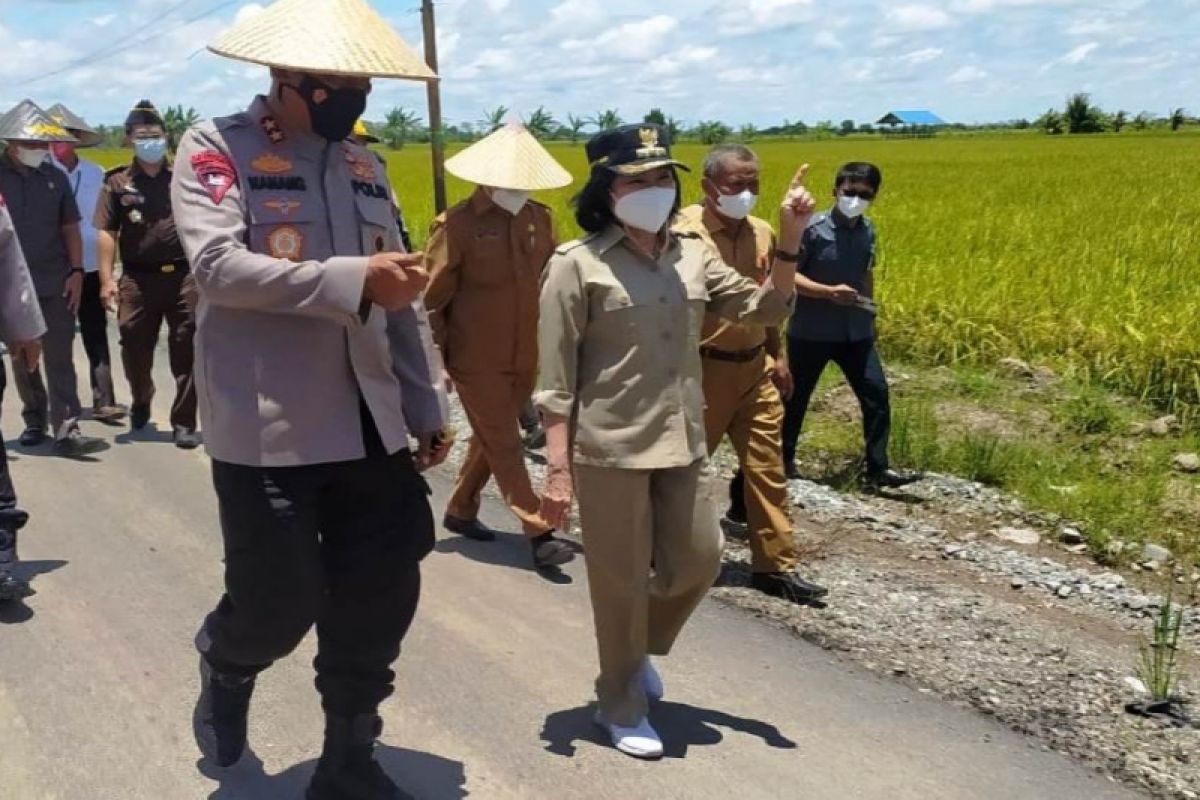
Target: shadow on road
x=17 y=611
x=150 y=433
x=680 y=725
x=508 y=550
x=47 y=451
x=423 y=775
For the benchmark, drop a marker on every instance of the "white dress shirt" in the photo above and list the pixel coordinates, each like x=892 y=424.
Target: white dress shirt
x=85 y=182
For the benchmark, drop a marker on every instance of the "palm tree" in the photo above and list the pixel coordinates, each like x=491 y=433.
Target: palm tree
x=674 y=128
x=607 y=120
x=1119 y=120
x=1081 y=116
x=1176 y=118
x=176 y=120
x=712 y=132
x=1141 y=121
x=576 y=124
x=747 y=133
x=494 y=119
x=541 y=123
x=400 y=124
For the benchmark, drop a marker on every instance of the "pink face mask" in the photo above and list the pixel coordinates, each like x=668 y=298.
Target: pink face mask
x=62 y=150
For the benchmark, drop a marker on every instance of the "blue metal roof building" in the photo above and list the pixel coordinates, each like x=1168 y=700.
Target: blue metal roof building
x=914 y=118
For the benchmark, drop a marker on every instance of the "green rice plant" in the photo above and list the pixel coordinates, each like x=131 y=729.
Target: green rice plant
x=1090 y=413
x=915 y=441
x=1158 y=663
x=983 y=457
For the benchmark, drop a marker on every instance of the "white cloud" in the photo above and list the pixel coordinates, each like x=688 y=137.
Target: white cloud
x=632 y=41
x=967 y=74
x=740 y=17
x=247 y=11
x=827 y=40
x=686 y=58
x=916 y=18
x=496 y=6
x=923 y=55
x=1079 y=54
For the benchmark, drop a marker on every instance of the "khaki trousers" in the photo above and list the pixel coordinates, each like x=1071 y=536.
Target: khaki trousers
x=629 y=516
x=146 y=300
x=492 y=402
x=741 y=401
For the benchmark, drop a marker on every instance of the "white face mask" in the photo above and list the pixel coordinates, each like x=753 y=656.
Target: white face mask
x=511 y=200
x=30 y=157
x=737 y=206
x=853 y=207
x=646 y=209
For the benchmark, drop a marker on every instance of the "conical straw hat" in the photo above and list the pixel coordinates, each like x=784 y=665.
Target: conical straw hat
x=25 y=122
x=74 y=125
x=335 y=37
x=510 y=158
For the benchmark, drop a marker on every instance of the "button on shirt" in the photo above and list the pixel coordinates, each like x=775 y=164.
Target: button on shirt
x=41 y=203
x=136 y=207
x=835 y=252
x=485 y=268
x=620 y=344
x=85 y=182
x=747 y=247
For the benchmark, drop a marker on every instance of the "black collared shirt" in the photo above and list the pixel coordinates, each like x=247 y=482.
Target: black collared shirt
x=41 y=203
x=137 y=208
x=835 y=252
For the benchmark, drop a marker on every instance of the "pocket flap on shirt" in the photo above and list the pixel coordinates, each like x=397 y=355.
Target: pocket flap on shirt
x=615 y=299
x=375 y=210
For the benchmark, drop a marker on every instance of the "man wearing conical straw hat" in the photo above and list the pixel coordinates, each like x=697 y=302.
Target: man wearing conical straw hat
x=47 y=222
x=485 y=259
x=314 y=367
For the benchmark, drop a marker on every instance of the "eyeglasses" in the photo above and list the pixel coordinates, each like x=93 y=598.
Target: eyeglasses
x=861 y=194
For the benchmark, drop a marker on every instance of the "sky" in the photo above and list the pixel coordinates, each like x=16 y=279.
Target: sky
x=754 y=62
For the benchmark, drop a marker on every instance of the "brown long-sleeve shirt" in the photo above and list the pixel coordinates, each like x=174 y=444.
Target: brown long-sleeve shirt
x=485 y=268
x=747 y=248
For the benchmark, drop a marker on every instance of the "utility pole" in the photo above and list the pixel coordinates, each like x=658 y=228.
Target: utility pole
x=436 y=145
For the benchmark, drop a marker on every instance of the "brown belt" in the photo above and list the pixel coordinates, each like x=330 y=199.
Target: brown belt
x=738 y=357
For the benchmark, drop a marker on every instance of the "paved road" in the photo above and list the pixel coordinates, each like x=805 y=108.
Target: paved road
x=97 y=677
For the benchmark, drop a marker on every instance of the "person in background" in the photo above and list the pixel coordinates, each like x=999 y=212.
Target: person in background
x=85 y=179
x=485 y=259
x=835 y=320
x=47 y=222
x=319 y=387
x=744 y=373
x=624 y=412
x=21 y=329
x=134 y=217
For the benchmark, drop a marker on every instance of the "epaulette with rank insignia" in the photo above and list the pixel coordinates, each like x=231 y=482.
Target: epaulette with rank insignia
x=574 y=244
x=108 y=173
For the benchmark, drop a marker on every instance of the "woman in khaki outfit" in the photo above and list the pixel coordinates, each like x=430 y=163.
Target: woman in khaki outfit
x=622 y=403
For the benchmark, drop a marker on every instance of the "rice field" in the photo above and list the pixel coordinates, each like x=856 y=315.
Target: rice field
x=1081 y=253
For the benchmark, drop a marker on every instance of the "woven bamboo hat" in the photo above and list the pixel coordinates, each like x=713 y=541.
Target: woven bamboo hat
x=363 y=134
x=334 y=37
x=25 y=122
x=510 y=158
x=74 y=125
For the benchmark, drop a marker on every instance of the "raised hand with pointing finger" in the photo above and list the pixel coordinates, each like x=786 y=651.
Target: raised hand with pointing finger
x=795 y=211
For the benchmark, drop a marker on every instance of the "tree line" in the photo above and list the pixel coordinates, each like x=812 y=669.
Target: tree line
x=1081 y=115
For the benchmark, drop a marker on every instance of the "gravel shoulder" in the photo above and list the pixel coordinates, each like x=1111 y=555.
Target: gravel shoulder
x=929 y=589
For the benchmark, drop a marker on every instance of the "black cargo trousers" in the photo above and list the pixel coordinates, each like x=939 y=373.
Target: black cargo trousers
x=336 y=545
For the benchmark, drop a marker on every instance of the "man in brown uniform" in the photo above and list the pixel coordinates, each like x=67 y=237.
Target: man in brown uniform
x=485 y=258
x=134 y=214
x=742 y=366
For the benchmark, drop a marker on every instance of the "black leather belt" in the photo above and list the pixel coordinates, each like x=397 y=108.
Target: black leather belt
x=737 y=357
x=167 y=268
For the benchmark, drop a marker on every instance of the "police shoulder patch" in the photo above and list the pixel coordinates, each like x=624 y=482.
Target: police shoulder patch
x=575 y=244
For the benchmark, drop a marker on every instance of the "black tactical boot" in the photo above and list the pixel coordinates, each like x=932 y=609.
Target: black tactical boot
x=11 y=587
x=219 y=721
x=348 y=769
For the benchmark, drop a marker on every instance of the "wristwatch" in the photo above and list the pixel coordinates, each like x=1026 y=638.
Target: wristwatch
x=793 y=258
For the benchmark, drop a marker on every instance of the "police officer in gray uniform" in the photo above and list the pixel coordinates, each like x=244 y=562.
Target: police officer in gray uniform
x=307 y=409
x=21 y=329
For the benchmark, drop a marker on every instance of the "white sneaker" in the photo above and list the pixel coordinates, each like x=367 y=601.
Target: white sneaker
x=640 y=741
x=652 y=682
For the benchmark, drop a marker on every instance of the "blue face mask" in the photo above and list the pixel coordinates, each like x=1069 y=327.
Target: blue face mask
x=152 y=151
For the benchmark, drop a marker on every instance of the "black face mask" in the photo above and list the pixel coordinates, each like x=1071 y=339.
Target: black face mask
x=334 y=116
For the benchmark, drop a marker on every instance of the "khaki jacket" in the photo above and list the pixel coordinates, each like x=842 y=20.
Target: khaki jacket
x=485 y=268
x=20 y=314
x=620 y=344
x=278 y=228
